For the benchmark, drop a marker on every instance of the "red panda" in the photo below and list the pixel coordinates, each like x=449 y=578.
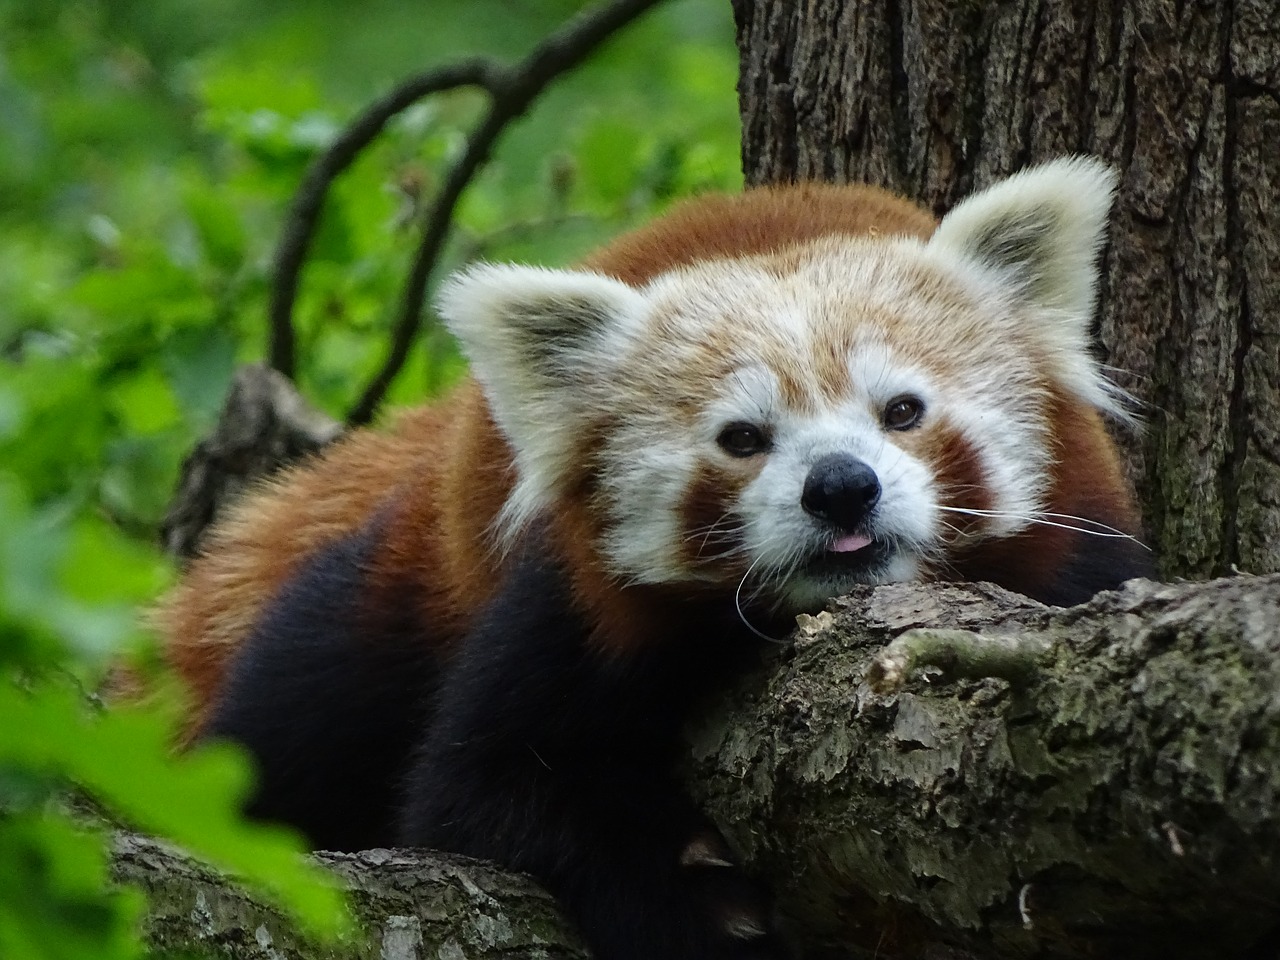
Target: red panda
x=483 y=629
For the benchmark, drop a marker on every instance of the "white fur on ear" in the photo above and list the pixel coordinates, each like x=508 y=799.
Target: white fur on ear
x=542 y=344
x=1042 y=227
x=527 y=319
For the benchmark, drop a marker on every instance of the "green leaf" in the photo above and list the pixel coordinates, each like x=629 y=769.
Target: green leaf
x=217 y=224
x=102 y=568
x=132 y=294
x=611 y=152
x=56 y=902
x=123 y=758
x=11 y=411
x=199 y=361
x=144 y=402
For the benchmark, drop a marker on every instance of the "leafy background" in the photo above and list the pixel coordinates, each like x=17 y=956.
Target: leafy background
x=148 y=149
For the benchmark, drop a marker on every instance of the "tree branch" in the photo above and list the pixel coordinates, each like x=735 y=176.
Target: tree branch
x=1113 y=793
x=308 y=202
x=512 y=92
x=264 y=425
x=407 y=904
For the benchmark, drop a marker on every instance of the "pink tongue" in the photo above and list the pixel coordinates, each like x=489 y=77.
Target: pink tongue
x=850 y=543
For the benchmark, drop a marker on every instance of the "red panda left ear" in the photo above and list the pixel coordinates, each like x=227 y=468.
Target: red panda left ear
x=1042 y=228
x=532 y=315
x=543 y=345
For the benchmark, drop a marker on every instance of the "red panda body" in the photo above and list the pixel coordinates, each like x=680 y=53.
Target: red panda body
x=482 y=629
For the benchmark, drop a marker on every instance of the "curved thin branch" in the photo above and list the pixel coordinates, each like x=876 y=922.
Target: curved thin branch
x=308 y=202
x=513 y=91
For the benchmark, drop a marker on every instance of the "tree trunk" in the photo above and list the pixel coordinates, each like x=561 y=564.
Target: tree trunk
x=935 y=98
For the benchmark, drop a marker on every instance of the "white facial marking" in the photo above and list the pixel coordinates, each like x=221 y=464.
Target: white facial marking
x=644 y=491
x=749 y=394
x=784 y=537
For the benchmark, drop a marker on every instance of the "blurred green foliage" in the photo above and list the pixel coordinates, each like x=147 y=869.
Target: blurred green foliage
x=147 y=153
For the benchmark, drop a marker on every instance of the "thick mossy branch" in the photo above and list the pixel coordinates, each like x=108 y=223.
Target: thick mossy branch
x=1114 y=794
x=1118 y=797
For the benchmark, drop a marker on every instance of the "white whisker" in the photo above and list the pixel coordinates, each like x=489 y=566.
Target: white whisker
x=1098 y=528
x=737 y=603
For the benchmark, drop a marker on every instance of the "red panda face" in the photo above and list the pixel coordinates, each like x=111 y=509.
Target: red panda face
x=798 y=423
x=848 y=410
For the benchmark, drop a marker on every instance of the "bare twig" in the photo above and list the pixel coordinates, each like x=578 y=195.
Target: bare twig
x=309 y=200
x=512 y=92
x=957 y=654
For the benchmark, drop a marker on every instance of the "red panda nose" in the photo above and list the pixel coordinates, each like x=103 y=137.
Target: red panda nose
x=840 y=489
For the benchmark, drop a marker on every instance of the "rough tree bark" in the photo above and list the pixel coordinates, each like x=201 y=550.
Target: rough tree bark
x=406 y=905
x=935 y=98
x=954 y=766
x=265 y=424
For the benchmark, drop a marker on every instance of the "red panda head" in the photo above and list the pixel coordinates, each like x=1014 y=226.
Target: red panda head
x=853 y=409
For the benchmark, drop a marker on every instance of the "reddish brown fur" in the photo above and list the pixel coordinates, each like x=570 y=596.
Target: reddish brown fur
x=712 y=530
x=764 y=220
x=959 y=475
x=443 y=472
x=1086 y=481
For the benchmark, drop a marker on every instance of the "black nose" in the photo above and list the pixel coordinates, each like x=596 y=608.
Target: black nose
x=841 y=489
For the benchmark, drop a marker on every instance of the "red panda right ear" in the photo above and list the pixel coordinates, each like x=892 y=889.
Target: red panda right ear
x=543 y=344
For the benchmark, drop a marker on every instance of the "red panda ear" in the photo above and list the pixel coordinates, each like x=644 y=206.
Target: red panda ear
x=529 y=317
x=534 y=335
x=1043 y=228
x=543 y=345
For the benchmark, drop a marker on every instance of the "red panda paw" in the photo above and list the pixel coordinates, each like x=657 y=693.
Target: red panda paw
x=736 y=910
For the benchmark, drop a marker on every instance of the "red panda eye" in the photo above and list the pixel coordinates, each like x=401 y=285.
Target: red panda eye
x=903 y=413
x=743 y=439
